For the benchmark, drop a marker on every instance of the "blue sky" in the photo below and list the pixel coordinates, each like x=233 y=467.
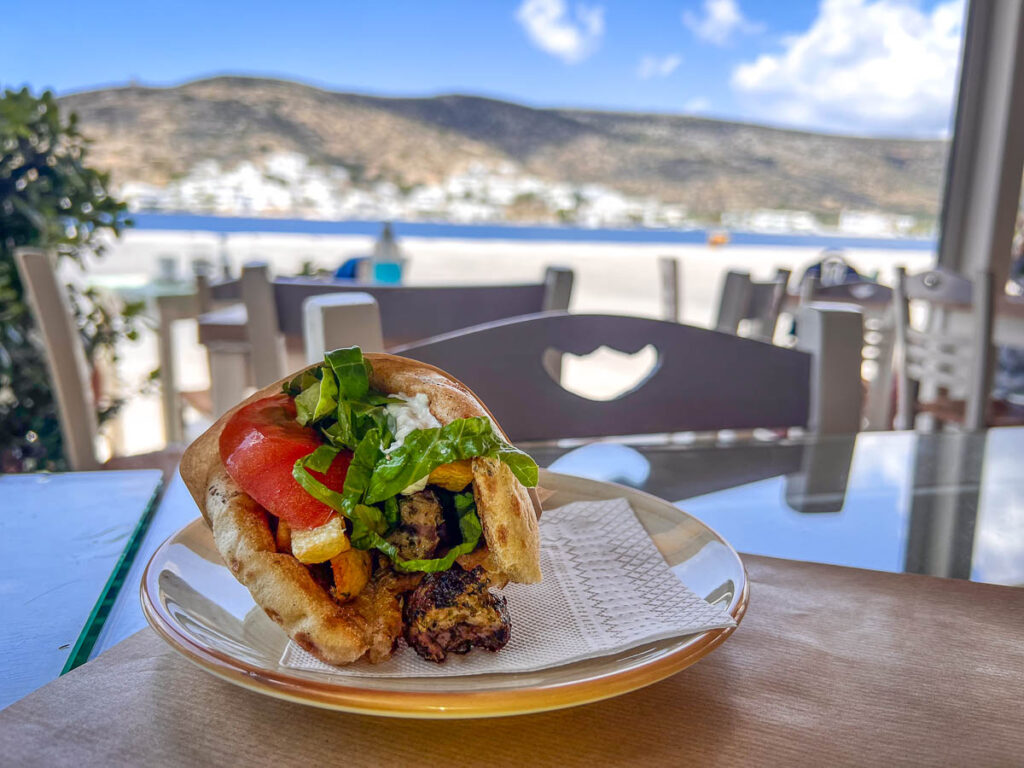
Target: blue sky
x=881 y=67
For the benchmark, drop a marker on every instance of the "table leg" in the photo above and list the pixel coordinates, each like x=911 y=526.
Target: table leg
x=173 y=427
x=878 y=408
x=229 y=375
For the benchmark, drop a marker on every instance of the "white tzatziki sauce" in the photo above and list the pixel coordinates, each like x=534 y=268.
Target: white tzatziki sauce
x=410 y=415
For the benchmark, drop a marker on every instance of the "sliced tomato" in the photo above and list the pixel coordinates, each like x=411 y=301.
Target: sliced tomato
x=259 y=447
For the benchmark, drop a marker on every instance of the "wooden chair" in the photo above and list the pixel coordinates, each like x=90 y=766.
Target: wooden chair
x=875 y=302
x=759 y=304
x=670 y=284
x=945 y=374
x=69 y=371
x=271 y=319
x=703 y=381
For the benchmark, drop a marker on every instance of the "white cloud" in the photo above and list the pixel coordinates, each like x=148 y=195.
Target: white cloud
x=876 y=66
x=550 y=26
x=697 y=105
x=658 y=66
x=721 y=19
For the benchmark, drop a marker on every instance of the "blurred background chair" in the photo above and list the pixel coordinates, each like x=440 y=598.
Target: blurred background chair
x=875 y=302
x=703 y=380
x=670 y=273
x=943 y=373
x=751 y=308
x=260 y=340
x=70 y=373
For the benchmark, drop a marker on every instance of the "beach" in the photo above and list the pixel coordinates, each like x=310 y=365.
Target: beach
x=617 y=278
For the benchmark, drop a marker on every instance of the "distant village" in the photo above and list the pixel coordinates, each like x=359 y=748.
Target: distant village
x=288 y=185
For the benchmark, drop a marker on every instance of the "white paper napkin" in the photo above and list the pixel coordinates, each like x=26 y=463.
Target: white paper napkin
x=606 y=589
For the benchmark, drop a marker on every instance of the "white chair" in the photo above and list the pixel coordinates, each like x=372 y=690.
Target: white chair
x=756 y=304
x=875 y=302
x=334 y=320
x=946 y=375
x=69 y=371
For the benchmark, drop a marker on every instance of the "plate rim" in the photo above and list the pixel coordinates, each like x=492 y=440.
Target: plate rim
x=495 y=702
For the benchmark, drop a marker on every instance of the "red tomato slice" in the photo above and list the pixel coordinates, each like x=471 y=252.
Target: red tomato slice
x=259 y=447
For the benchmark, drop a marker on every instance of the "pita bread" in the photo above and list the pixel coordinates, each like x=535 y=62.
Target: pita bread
x=285 y=589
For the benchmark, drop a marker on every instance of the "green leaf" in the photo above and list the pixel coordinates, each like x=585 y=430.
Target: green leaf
x=321 y=459
x=315 y=488
x=318 y=400
x=522 y=466
x=364 y=459
x=424 y=450
x=305 y=403
x=469 y=522
x=368 y=539
x=301 y=381
x=340 y=433
x=469 y=527
x=350 y=369
x=392 y=513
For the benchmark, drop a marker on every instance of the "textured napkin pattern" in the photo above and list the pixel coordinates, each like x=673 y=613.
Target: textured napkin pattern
x=606 y=589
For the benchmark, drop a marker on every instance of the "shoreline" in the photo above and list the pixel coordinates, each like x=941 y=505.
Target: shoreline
x=519 y=232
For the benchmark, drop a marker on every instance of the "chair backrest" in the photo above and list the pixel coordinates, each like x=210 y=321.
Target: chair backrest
x=860 y=292
x=407 y=313
x=933 y=358
x=875 y=300
x=268 y=356
x=670 y=274
x=703 y=380
x=65 y=356
x=336 y=320
x=759 y=303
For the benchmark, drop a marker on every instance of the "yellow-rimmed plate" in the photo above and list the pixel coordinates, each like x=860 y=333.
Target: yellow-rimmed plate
x=192 y=600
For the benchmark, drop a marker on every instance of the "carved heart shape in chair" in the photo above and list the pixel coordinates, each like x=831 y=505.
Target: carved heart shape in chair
x=605 y=373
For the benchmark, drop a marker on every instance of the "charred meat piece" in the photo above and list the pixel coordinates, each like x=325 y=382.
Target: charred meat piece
x=419 y=533
x=453 y=611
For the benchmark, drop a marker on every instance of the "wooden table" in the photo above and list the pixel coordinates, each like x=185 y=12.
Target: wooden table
x=831 y=666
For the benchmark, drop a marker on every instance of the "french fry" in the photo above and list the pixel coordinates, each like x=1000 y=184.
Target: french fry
x=351 y=572
x=454 y=476
x=318 y=545
x=283 y=537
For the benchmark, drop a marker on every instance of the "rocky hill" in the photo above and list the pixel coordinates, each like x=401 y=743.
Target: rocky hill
x=155 y=135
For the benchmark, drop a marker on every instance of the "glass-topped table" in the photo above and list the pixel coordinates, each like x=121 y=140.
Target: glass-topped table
x=65 y=542
x=944 y=504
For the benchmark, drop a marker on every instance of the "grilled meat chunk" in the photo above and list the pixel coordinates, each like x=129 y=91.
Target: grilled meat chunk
x=421 y=528
x=453 y=611
x=380 y=603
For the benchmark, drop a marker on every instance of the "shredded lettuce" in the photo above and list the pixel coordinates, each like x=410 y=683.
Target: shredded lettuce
x=469 y=527
x=370 y=524
x=302 y=381
x=318 y=400
x=424 y=450
x=351 y=371
x=522 y=466
x=364 y=459
x=336 y=399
